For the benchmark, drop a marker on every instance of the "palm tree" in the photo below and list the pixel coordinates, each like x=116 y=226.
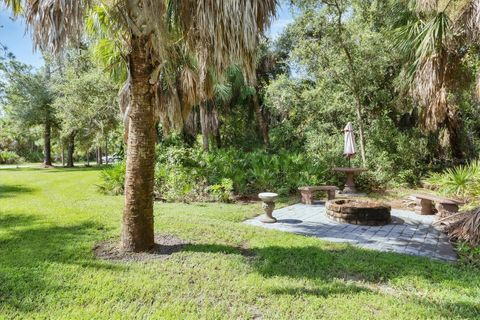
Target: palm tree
x=152 y=33
x=435 y=36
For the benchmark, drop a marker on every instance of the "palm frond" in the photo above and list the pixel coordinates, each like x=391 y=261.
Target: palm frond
x=426 y=5
x=466 y=228
x=14 y=5
x=56 y=23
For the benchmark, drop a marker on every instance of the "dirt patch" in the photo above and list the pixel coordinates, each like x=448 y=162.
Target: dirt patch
x=165 y=246
x=246 y=199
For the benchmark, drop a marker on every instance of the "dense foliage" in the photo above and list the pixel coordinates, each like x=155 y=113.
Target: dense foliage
x=189 y=174
x=9 y=157
x=338 y=61
x=345 y=69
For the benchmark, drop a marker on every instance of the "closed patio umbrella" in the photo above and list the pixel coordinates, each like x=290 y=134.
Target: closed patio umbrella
x=349 y=142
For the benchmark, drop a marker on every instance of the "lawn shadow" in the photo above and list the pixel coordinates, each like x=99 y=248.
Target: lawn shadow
x=351 y=269
x=55 y=169
x=78 y=168
x=28 y=253
x=7 y=191
x=15 y=220
x=323 y=291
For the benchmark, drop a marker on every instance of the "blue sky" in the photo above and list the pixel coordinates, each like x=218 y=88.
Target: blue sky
x=284 y=17
x=12 y=34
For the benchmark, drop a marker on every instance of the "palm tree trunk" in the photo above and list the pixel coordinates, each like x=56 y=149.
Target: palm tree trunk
x=70 y=150
x=261 y=121
x=453 y=124
x=218 y=137
x=204 y=125
x=47 y=147
x=138 y=232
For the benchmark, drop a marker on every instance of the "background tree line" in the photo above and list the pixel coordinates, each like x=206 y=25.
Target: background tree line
x=338 y=61
x=67 y=105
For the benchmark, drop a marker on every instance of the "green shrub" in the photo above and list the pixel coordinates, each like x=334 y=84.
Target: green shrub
x=177 y=183
x=462 y=181
x=222 y=192
x=113 y=179
x=9 y=157
x=187 y=173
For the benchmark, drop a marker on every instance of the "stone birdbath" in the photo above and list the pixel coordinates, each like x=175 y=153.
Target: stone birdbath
x=350 y=183
x=268 y=205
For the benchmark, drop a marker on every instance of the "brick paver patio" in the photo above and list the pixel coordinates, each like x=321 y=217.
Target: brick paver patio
x=409 y=233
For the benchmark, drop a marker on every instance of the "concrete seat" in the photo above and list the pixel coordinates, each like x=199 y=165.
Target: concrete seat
x=445 y=206
x=308 y=191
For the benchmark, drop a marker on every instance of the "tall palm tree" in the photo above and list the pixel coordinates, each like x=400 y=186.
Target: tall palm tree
x=152 y=33
x=435 y=36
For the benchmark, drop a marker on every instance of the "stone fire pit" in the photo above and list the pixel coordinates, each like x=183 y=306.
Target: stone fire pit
x=363 y=212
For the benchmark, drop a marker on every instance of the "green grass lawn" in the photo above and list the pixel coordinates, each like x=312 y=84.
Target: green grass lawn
x=50 y=219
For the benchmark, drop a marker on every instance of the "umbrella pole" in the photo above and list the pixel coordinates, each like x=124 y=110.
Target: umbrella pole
x=349 y=164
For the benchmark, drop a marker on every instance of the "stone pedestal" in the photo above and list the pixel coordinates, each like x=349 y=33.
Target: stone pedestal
x=349 y=187
x=268 y=205
x=423 y=206
x=349 y=184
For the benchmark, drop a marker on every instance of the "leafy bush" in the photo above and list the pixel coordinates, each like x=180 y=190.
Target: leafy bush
x=222 y=192
x=177 y=183
x=113 y=179
x=461 y=181
x=189 y=174
x=9 y=157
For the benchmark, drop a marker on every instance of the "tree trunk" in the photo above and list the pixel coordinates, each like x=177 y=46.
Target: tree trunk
x=261 y=121
x=218 y=137
x=63 y=154
x=215 y=128
x=189 y=131
x=99 y=155
x=354 y=87
x=138 y=232
x=360 y=132
x=453 y=124
x=47 y=147
x=204 y=125
x=70 y=150
x=106 y=150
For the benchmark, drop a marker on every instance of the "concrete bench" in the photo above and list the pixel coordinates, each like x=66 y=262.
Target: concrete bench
x=444 y=206
x=308 y=191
